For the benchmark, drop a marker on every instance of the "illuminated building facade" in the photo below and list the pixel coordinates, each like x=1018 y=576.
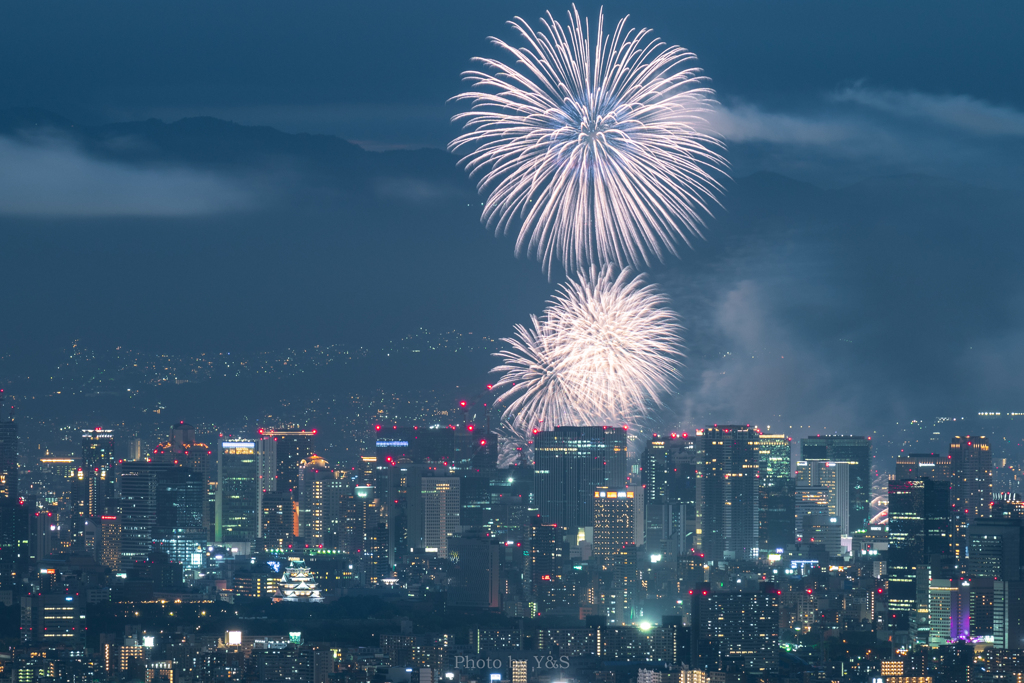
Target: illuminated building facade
x=95 y=490
x=8 y=456
x=292 y=446
x=548 y=555
x=856 y=451
x=834 y=478
x=239 y=496
x=971 y=462
x=570 y=463
x=297 y=584
x=919 y=541
x=729 y=493
x=728 y=625
x=618 y=520
x=442 y=508
x=776 y=511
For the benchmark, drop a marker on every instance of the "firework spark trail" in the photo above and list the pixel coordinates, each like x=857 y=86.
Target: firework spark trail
x=513 y=448
x=604 y=351
x=595 y=149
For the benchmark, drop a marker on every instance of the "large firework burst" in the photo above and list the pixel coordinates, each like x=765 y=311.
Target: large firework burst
x=605 y=350
x=595 y=150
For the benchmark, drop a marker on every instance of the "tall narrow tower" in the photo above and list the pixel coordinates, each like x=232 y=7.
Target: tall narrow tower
x=971 y=464
x=8 y=454
x=729 y=495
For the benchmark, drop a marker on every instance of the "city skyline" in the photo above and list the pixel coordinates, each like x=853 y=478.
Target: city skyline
x=469 y=343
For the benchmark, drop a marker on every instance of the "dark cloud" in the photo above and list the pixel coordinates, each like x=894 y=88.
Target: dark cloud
x=52 y=178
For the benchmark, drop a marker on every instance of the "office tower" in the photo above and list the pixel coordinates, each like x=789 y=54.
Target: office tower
x=8 y=455
x=777 y=509
x=280 y=520
x=548 y=555
x=442 y=509
x=735 y=626
x=316 y=500
x=415 y=445
x=1008 y=615
x=618 y=521
x=919 y=539
x=161 y=504
x=266 y=452
x=179 y=526
x=669 y=470
x=995 y=553
x=239 y=497
x=996 y=549
x=921 y=465
x=475 y=563
x=53 y=620
x=1008 y=506
x=834 y=477
x=856 y=451
x=110 y=539
x=97 y=448
x=729 y=495
x=570 y=462
x=656 y=469
x=293 y=445
x=971 y=462
x=95 y=490
x=184 y=451
x=948 y=612
x=137 y=510
x=809 y=501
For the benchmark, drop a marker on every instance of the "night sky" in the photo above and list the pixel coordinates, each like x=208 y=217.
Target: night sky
x=864 y=266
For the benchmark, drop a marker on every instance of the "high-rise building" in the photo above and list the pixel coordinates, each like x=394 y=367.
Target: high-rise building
x=110 y=542
x=618 y=521
x=8 y=455
x=570 y=462
x=834 y=477
x=921 y=465
x=777 y=509
x=280 y=520
x=319 y=500
x=442 y=509
x=948 y=611
x=97 y=448
x=971 y=463
x=735 y=626
x=160 y=504
x=415 y=445
x=855 y=450
x=475 y=569
x=996 y=549
x=239 y=503
x=1008 y=615
x=729 y=494
x=919 y=540
x=293 y=446
x=53 y=620
x=669 y=470
x=95 y=490
x=548 y=555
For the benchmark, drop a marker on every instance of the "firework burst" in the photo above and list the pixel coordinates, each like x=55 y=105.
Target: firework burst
x=604 y=352
x=592 y=145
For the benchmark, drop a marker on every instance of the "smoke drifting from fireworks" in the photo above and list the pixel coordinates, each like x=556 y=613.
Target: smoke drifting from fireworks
x=604 y=352
x=591 y=144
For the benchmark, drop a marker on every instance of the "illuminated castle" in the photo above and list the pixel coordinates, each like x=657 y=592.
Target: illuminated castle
x=297 y=584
